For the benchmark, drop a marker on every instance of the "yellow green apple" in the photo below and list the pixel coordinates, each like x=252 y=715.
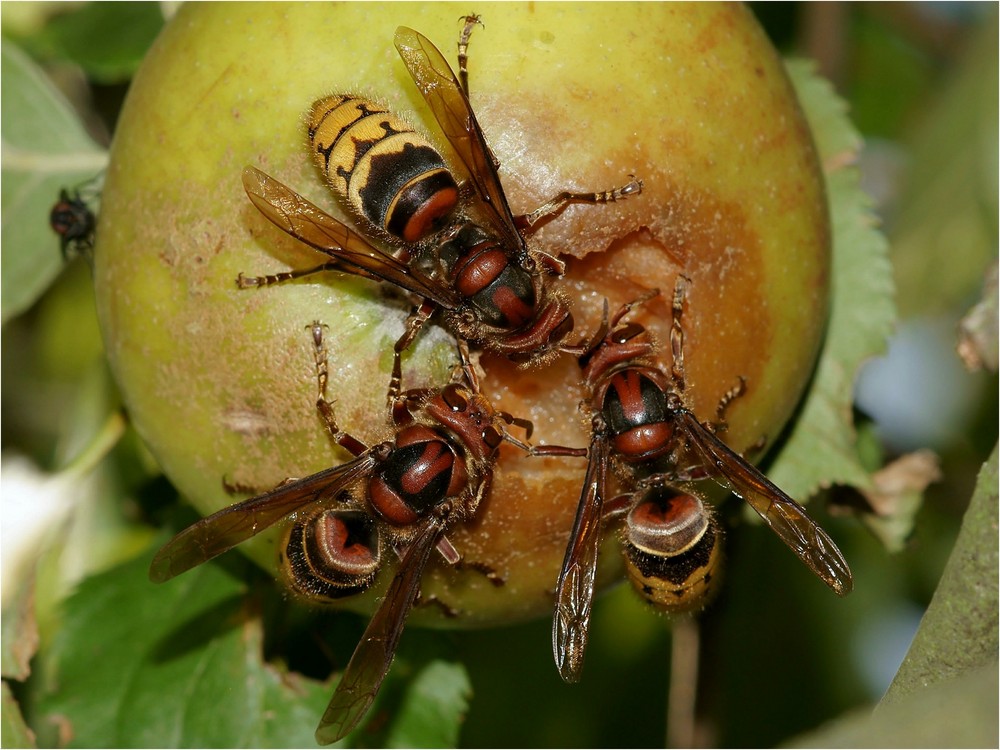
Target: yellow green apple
x=220 y=381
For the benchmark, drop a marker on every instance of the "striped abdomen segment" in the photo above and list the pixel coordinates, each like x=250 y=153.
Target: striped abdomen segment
x=388 y=173
x=500 y=290
x=422 y=471
x=638 y=417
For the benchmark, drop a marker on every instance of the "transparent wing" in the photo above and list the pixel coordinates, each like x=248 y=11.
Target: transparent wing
x=443 y=94
x=370 y=663
x=307 y=222
x=222 y=531
x=786 y=517
x=575 y=588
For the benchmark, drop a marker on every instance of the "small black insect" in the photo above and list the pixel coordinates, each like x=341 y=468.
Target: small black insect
x=74 y=221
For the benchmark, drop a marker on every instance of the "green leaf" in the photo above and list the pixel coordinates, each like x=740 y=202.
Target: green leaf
x=12 y=727
x=20 y=632
x=821 y=449
x=178 y=665
x=959 y=631
x=961 y=712
x=432 y=711
x=837 y=139
x=45 y=148
x=889 y=73
x=896 y=496
x=945 y=693
x=945 y=233
x=107 y=40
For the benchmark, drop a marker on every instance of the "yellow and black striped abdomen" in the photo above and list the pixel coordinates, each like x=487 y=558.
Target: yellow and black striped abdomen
x=388 y=173
x=677 y=583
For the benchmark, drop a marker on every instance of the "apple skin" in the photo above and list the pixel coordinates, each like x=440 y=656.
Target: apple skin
x=220 y=382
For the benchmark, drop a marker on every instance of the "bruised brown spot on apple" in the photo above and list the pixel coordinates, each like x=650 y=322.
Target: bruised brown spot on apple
x=726 y=323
